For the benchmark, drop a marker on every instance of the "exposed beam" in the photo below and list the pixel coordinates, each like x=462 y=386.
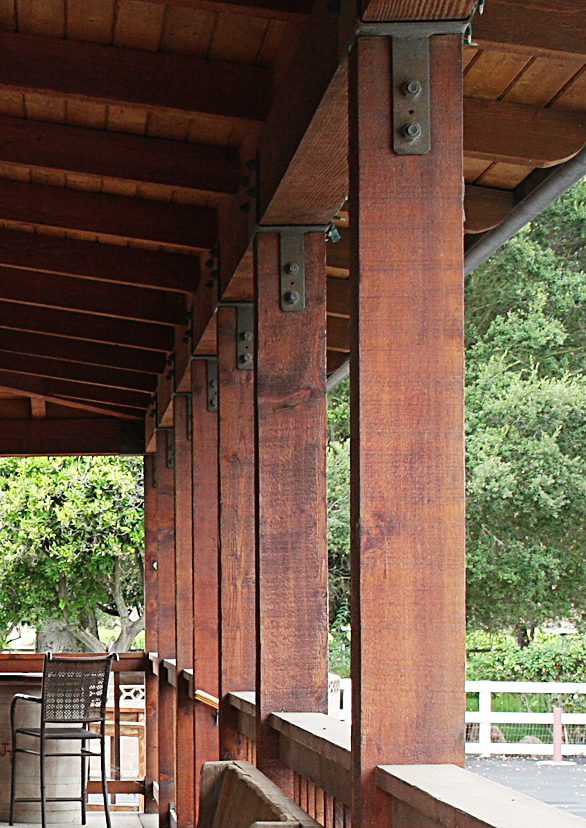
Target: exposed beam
x=108 y=262
x=147 y=335
x=338 y=334
x=296 y=11
x=23 y=389
x=65 y=370
x=116 y=155
x=416 y=9
x=338 y=303
x=519 y=134
x=53 y=388
x=120 y=301
x=38 y=408
x=96 y=435
x=537 y=27
x=485 y=207
x=113 y=75
x=80 y=351
x=114 y=215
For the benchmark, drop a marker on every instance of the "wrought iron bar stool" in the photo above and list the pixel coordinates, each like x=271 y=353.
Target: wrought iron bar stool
x=74 y=693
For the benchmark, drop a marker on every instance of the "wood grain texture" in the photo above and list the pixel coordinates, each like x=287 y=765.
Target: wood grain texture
x=81 y=352
x=416 y=9
x=98 y=435
x=517 y=133
x=116 y=76
x=129 y=157
x=269 y=9
x=205 y=568
x=535 y=27
x=106 y=262
x=148 y=335
x=292 y=615
x=119 y=301
x=486 y=207
x=113 y=215
x=185 y=733
x=236 y=468
x=167 y=622
x=151 y=631
x=407 y=454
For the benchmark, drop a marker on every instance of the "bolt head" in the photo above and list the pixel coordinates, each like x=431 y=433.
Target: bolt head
x=246 y=336
x=292 y=297
x=412 y=89
x=292 y=268
x=412 y=131
x=245 y=358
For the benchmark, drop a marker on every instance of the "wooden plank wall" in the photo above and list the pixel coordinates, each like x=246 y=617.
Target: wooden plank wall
x=407 y=486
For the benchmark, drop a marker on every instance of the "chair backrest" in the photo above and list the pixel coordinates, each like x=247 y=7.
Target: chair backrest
x=75 y=688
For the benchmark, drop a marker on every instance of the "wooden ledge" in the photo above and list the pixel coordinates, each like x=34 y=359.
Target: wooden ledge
x=187 y=674
x=155 y=661
x=322 y=734
x=170 y=665
x=449 y=795
x=246 y=702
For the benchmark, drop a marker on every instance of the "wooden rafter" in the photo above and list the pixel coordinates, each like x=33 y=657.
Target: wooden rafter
x=117 y=155
x=112 y=75
x=96 y=435
x=110 y=263
x=120 y=301
x=114 y=215
x=24 y=388
x=296 y=11
x=52 y=388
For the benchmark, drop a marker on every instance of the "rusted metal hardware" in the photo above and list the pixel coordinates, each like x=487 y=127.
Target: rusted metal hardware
x=245 y=338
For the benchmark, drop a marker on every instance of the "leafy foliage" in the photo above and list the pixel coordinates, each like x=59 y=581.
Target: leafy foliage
x=71 y=533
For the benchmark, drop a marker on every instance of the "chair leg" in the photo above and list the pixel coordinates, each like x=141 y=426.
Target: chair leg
x=83 y=781
x=105 y=780
x=12 y=778
x=43 y=790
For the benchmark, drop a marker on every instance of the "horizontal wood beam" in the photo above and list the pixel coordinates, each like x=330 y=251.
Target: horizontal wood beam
x=117 y=155
x=23 y=389
x=65 y=370
x=148 y=335
x=81 y=352
x=373 y=10
x=53 y=388
x=113 y=215
x=296 y=11
x=338 y=334
x=107 y=262
x=113 y=75
x=45 y=438
x=536 y=27
x=486 y=207
x=67 y=293
x=519 y=134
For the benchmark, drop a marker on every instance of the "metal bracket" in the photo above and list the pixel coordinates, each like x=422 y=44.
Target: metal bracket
x=212 y=383
x=292 y=269
x=170 y=448
x=245 y=338
x=411 y=119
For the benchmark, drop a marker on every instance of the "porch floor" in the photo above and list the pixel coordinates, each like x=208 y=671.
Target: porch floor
x=97 y=820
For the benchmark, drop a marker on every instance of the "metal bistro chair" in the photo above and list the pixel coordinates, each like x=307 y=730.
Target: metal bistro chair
x=74 y=692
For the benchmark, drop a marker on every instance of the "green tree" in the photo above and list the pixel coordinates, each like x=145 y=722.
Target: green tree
x=72 y=540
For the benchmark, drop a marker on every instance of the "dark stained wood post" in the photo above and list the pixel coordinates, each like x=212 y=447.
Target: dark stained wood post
x=151 y=632
x=406 y=426
x=237 y=525
x=185 y=736
x=204 y=446
x=167 y=615
x=291 y=494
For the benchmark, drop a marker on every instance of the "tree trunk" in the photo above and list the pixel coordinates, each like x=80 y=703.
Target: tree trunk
x=55 y=636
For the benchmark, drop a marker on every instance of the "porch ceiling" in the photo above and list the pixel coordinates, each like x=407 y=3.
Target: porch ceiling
x=125 y=130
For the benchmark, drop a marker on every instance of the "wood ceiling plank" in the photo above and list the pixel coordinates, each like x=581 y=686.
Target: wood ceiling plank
x=147 y=335
x=492 y=73
x=117 y=76
x=109 y=214
x=555 y=27
x=516 y=133
x=74 y=149
x=65 y=370
x=8 y=15
x=81 y=351
x=139 y=25
x=85 y=435
x=118 y=301
x=473 y=168
x=130 y=119
x=90 y=20
x=503 y=176
x=44 y=108
x=573 y=96
x=416 y=9
x=110 y=263
x=41 y=18
x=269 y=9
x=485 y=207
x=188 y=31
x=542 y=80
x=238 y=38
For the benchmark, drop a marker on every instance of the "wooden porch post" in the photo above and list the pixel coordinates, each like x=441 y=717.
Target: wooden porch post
x=407 y=427
x=185 y=747
x=151 y=632
x=237 y=532
x=291 y=494
x=204 y=445
x=167 y=616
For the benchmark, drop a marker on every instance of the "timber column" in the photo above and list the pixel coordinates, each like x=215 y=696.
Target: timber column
x=151 y=625
x=291 y=570
x=407 y=403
